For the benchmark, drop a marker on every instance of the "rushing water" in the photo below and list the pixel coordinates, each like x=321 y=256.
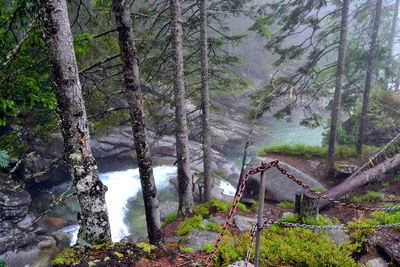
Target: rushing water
x=125 y=203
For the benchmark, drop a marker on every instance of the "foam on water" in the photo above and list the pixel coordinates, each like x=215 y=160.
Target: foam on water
x=124 y=185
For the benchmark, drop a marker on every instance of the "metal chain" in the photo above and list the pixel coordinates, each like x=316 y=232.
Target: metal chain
x=264 y=166
x=253 y=232
x=335 y=201
x=334 y=227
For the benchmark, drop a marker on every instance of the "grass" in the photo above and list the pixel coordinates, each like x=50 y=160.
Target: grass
x=286 y=205
x=371 y=196
x=308 y=152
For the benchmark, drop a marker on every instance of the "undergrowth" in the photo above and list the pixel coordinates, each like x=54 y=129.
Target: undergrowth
x=371 y=196
x=286 y=205
x=288 y=247
x=308 y=152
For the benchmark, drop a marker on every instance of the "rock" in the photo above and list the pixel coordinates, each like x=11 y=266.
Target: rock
x=217 y=219
x=287 y=214
x=278 y=186
x=241 y=264
x=168 y=207
x=132 y=238
x=196 y=239
x=13 y=205
x=63 y=239
x=47 y=242
x=377 y=262
x=244 y=223
x=338 y=236
x=345 y=170
x=314 y=163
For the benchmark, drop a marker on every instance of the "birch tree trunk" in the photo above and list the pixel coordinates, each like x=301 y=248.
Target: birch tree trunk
x=370 y=72
x=338 y=89
x=93 y=218
x=133 y=93
x=182 y=141
x=205 y=101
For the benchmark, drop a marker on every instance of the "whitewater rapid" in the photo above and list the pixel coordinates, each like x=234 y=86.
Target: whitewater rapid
x=125 y=185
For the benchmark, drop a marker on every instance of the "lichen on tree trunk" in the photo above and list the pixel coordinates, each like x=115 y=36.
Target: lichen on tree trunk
x=93 y=218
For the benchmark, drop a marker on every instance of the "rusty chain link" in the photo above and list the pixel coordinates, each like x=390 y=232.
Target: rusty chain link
x=264 y=167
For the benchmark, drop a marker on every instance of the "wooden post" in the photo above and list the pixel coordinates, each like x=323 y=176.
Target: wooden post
x=260 y=217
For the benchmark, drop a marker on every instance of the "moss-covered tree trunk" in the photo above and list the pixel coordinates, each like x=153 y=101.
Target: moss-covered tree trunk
x=93 y=218
x=135 y=100
x=182 y=141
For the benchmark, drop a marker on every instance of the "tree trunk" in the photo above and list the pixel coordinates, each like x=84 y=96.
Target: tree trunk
x=368 y=81
x=394 y=26
x=338 y=89
x=182 y=140
x=392 y=35
x=365 y=177
x=205 y=101
x=133 y=93
x=306 y=205
x=93 y=218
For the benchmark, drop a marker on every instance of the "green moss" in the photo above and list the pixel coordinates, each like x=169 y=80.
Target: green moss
x=68 y=256
x=119 y=255
x=288 y=247
x=201 y=210
x=213 y=227
x=107 y=258
x=371 y=196
x=308 y=152
x=186 y=250
x=171 y=217
x=93 y=263
x=145 y=247
x=320 y=220
x=2 y=263
x=286 y=205
x=189 y=224
x=320 y=190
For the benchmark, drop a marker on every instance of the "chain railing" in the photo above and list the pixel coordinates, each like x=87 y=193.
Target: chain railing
x=268 y=222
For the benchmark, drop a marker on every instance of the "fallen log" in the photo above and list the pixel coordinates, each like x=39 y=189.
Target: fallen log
x=362 y=178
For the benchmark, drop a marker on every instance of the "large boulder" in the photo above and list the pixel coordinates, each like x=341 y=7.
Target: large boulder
x=278 y=186
x=14 y=205
x=196 y=239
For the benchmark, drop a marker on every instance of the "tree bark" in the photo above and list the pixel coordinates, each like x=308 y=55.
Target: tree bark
x=365 y=177
x=370 y=72
x=338 y=89
x=392 y=35
x=182 y=141
x=133 y=94
x=93 y=218
x=205 y=102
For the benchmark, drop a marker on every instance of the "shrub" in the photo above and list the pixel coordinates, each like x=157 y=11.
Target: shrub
x=371 y=196
x=2 y=263
x=286 y=205
x=4 y=160
x=213 y=227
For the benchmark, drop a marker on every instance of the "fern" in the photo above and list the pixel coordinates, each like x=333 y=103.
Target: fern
x=4 y=159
